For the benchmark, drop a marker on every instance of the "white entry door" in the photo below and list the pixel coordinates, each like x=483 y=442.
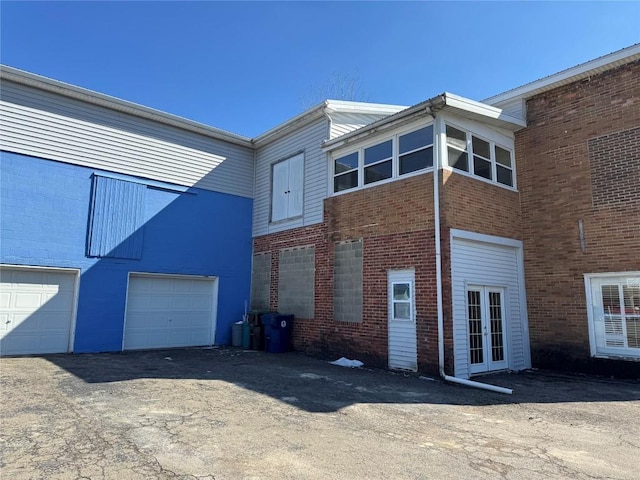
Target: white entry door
x=486 y=323
x=402 y=321
x=165 y=311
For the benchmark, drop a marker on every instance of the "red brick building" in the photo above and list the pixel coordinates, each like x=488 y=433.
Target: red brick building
x=523 y=251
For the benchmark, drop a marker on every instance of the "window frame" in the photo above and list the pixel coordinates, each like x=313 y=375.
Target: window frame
x=470 y=134
x=592 y=286
x=394 y=137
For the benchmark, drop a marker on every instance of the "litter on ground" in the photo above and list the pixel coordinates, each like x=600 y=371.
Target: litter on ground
x=345 y=362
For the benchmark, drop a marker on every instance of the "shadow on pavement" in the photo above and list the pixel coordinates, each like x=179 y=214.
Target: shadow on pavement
x=318 y=386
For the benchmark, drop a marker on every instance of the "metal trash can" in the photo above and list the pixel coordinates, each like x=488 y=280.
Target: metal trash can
x=278 y=329
x=236 y=334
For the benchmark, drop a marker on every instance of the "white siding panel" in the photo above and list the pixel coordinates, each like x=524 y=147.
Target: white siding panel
x=342 y=123
x=309 y=141
x=54 y=127
x=479 y=263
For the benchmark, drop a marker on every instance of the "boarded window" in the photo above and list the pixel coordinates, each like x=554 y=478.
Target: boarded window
x=116 y=218
x=296 y=281
x=615 y=169
x=261 y=281
x=347 y=282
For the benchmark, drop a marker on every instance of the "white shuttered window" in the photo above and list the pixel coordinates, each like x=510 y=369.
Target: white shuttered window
x=287 y=188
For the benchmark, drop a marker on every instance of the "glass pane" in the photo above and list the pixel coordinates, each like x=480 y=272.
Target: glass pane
x=633 y=332
x=345 y=181
x=402 y=311
x=503 y=157
x=505 y=176
x=401 y=291
x=495 y=313
x=348 y=162
x=417 y=139
x=631 y=299
x=377 y=152
x=458 y=159
x=611 y=299
x=480 y=147
x=416 y=161
x=456 y=137
x=378 y=172
x=482 y=167
x=476 y=353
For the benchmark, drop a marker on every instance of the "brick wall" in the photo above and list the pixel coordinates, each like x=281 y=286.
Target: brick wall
x=578 y=160
x=395 y=223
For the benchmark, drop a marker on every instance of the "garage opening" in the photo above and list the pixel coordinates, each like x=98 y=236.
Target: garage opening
x=167 y=311
x=37 y=308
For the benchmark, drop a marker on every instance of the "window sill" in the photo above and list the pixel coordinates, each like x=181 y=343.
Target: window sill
x=480 y=179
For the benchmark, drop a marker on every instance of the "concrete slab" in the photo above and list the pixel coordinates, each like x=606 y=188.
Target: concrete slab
x=228 y=414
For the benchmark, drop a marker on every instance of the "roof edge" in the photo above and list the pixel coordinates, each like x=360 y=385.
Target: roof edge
x=55 y=86
x=583 y=70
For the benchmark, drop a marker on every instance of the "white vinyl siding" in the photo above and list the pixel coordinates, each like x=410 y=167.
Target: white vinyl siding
x=492 y=265
x=287 y=188
x=46 y=125
x=342 y=123
x=307 y=139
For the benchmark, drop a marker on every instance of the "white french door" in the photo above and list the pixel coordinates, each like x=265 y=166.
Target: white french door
x=486 y=329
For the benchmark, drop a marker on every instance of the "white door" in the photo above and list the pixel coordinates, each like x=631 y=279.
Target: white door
x=402 y=321
x=36 y=310
x=485 y=318
x=169 y=311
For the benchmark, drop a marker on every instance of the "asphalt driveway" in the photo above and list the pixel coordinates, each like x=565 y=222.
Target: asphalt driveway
x=228 y=414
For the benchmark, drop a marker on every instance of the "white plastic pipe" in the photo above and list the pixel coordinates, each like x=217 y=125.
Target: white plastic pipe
x=436 y=213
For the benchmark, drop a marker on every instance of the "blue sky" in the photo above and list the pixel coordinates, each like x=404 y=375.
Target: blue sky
x=247 y=66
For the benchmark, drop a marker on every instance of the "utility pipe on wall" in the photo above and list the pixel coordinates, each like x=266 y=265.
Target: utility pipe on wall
x=436 y=212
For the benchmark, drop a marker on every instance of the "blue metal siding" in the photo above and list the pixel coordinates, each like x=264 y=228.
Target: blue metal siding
x=117 y=218
x=44 y=212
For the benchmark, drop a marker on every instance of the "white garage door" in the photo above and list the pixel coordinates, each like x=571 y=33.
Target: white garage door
x=166 y=311
x=36 y=310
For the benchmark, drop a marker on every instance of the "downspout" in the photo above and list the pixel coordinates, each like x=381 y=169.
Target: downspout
x=436 y=212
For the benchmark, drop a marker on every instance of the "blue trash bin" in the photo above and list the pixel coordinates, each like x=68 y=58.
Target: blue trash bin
x=277 y=332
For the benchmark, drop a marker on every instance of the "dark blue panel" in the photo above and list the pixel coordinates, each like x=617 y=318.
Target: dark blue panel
x=117 y=217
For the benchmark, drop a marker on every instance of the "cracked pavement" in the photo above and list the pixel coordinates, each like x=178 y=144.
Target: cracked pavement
x=230 y=414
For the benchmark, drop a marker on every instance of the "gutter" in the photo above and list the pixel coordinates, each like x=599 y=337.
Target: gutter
x=438 y=248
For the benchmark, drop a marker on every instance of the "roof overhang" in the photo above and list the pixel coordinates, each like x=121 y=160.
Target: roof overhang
x=47 y=84
x=447 y=102
x=579 y=72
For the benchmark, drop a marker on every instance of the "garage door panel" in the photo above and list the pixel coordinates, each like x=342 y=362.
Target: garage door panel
x=37 y=310
x=168 y=312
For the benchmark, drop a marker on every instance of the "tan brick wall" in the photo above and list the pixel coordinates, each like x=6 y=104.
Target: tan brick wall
x=567 y=132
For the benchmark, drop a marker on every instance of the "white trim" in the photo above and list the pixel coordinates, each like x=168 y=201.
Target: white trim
x=593 y=347
x=215 y=280
x=76 y=293
x=394 y=137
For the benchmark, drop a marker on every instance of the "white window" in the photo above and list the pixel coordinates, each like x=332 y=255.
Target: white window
x=488 y=160
x=286 y=188
x=400 y=155
x=614 y=314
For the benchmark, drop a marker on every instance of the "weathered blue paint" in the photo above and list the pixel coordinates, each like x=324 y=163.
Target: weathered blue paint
x=44 y=214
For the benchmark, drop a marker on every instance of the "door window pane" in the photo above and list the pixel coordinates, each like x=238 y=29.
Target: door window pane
x=402 y=311
x=476 y=353
x=401 y=291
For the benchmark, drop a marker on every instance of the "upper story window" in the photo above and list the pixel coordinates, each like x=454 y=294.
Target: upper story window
x=488 y=160
x=397 y=156
x=287 y=182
